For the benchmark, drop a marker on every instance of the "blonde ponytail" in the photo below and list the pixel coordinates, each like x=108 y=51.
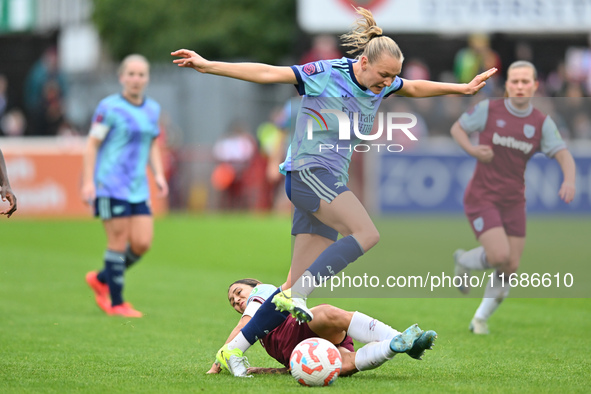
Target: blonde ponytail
x=366 y=37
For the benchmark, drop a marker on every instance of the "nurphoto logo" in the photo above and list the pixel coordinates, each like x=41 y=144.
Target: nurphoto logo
x=394 y=121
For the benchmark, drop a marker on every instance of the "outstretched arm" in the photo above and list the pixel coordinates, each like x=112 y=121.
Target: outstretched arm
x=421 y=88
x=567 y=164
x=251 y=72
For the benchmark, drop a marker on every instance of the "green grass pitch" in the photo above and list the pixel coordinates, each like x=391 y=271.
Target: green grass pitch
x=53 y=338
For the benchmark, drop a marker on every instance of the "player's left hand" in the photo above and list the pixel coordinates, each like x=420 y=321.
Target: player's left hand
x=215 y=368
x=162 y=186
x=479 y=81
x=567 y=191
x=190 y=59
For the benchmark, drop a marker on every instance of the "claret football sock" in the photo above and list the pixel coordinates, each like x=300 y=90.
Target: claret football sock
x=265 y=320
x=115 y=267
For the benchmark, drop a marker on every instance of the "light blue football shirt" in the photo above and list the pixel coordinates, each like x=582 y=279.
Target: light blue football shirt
x=330 y=85
x=259 y=294
x=122 y=158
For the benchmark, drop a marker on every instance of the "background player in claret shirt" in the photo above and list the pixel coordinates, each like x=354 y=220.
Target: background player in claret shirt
x=121 y=143
x=316 y=182
x=510 y=131
x=331 y=323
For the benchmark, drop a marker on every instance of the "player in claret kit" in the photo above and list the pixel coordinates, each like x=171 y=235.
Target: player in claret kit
x=331 y=323
x=316 y=179
x=510 y=131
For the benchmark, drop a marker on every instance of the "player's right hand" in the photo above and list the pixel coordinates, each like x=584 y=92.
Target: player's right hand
x=215 y=368
x=7 y=195
x=483 y=153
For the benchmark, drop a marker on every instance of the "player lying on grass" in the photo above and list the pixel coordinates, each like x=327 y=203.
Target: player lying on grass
x=331 y=323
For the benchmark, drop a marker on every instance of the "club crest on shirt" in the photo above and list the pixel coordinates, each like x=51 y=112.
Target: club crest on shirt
x=313 y=68
x=529 y=130
x=478 y=224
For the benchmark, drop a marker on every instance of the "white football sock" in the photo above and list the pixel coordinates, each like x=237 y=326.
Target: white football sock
x=474 y=259
x=239 y=342
x=496 y=291
x=304 y=285
x=373 y=355
x=367 y=329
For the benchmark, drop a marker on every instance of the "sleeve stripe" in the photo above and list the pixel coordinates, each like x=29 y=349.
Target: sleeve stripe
x=300 y=86
x=257 y=299
x=397 y=89
x=555 y=150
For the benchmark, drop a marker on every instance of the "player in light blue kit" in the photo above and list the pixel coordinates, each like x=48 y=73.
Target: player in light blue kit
x=121 y=144
x=315 y=179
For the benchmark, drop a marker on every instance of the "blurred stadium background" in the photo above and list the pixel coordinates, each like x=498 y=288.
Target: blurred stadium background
x=59 y=59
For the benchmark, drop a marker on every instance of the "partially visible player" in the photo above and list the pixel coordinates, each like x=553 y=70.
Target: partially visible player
x=121 y=144
x=510 y=131
x=316 y=180
x=331 y=323
x=5 y=189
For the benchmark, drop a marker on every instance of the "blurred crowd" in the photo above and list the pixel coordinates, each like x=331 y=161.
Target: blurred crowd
x=560 y=94
x=43 y=112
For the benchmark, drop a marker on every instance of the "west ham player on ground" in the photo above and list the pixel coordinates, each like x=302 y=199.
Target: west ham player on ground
x=316 y=180
x=121 y=143
x=510 y=131
x=333 y=324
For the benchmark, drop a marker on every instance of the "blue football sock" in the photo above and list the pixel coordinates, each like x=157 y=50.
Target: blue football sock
x=130 y=257
x=331 y=261
x=265 y=320
x=102 y=276
x=115 y=268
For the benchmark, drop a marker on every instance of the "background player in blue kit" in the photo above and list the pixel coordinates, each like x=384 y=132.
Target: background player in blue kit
x=510 y=131
x=121 y=143
x=316 y=182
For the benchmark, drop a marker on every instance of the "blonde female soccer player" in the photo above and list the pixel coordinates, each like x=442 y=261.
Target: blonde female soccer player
x=316 y=179
x=121 y=143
